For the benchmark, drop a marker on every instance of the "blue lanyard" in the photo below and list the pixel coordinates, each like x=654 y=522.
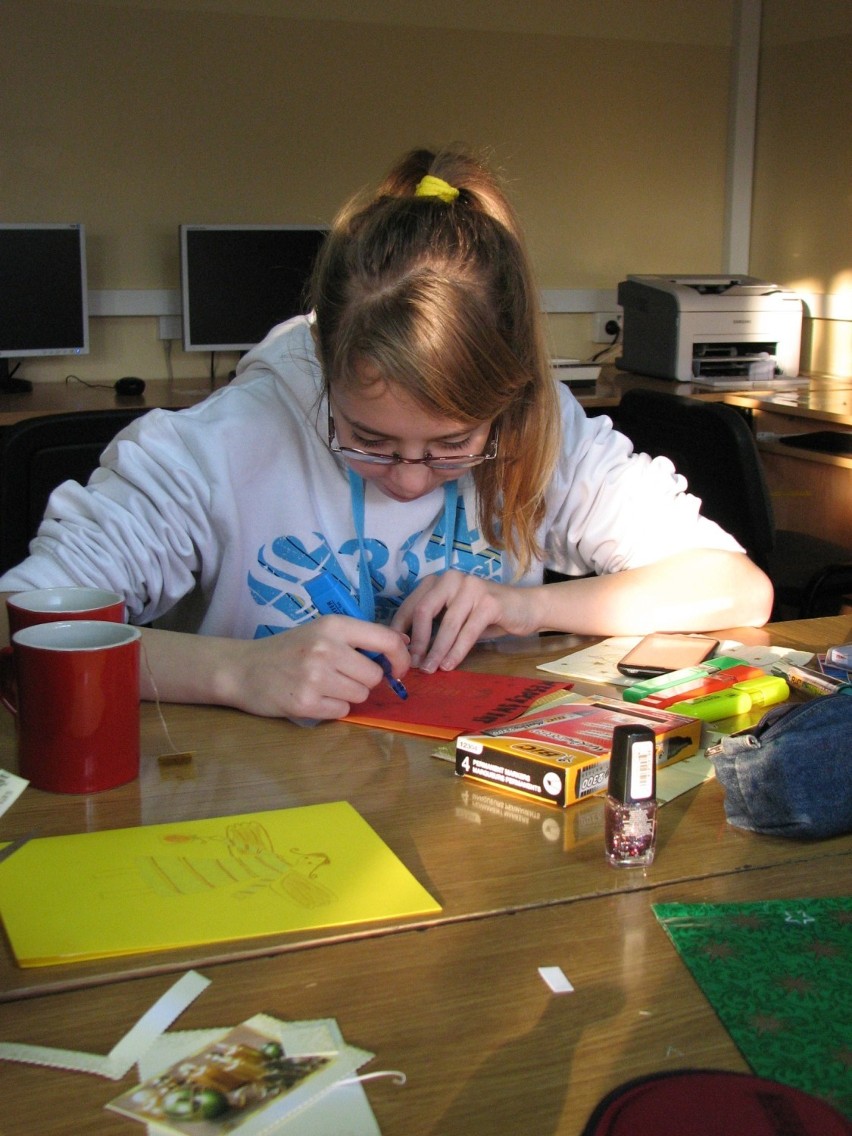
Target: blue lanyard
x=366 y=599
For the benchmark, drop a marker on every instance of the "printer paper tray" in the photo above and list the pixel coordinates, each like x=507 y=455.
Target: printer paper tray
x=731 y=367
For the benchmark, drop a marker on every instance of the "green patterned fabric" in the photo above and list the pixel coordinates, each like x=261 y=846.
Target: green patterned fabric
x=779 y=976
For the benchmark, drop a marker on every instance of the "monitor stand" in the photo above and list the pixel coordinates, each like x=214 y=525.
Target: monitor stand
x=9 y=384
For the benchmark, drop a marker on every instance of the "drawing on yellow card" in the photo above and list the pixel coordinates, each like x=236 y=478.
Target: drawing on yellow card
x=243 y=860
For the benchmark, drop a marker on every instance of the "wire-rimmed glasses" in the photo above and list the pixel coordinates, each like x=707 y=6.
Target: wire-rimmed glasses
x=449 y=463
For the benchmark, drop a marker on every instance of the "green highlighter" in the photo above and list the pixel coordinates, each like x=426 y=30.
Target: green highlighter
x=750 y=694
x=660 y=683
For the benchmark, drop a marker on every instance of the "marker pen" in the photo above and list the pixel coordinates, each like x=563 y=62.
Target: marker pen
x=715 y=706
x=750 y=694
x=331 y=598
x=715 y=669
x=720 y=680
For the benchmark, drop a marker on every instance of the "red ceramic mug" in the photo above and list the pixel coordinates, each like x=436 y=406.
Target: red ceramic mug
x=73 y=687
x=48 y=605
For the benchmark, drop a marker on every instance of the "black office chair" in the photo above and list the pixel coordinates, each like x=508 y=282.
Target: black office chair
x=828 y=591
x=712 y=445
x=36 y=455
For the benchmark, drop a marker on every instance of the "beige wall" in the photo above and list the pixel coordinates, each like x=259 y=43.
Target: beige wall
x=609 y=121
x=802 y=215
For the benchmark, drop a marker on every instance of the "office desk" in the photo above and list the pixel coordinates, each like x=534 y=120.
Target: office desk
x=68 y=398
x=810 y=488
x=823 y=400
x=65 y=398
x=478 y=852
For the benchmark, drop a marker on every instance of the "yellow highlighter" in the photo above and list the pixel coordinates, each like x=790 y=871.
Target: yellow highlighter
x=750 y=694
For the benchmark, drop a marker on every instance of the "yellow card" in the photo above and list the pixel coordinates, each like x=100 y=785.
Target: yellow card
x=159 y=887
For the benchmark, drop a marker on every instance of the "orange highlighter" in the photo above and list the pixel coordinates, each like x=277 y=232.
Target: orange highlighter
x=750 y=694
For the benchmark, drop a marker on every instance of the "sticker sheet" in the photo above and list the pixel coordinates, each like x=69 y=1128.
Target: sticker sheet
x=777 y=975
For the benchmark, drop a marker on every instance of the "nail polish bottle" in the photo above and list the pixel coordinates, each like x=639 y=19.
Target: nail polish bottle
x=630 y=819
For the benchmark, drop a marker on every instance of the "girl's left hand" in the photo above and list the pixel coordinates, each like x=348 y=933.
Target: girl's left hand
x=469 y=609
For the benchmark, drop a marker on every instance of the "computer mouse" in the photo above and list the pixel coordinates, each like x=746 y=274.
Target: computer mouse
x=129 y=385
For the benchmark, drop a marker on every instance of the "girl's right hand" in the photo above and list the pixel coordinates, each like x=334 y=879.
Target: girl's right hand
x=316 y=671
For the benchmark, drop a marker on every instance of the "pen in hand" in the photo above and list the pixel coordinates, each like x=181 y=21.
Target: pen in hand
x=331 y=598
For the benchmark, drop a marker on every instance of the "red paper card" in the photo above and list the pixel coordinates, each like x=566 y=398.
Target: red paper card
x=449 y=703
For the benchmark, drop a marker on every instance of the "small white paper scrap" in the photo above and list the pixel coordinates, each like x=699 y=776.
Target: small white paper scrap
x=11 y=787
x=555 y=978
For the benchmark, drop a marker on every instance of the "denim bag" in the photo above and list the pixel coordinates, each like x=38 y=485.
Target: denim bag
x=791 y=774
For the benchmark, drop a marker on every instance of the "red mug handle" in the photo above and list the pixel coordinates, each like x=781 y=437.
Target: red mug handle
x=8 y=691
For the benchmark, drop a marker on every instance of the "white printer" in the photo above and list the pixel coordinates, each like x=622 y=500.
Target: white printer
x=689 y=327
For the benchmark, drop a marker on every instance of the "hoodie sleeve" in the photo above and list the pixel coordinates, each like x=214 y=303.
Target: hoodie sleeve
x=141 y=526
x=610 y=509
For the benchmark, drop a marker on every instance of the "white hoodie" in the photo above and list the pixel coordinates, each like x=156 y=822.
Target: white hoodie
x=209 y=519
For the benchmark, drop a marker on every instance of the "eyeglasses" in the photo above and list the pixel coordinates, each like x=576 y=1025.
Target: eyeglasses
x=460 y=461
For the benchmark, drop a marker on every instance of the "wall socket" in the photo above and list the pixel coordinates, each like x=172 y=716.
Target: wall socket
x=171 y=327
x=599 y=322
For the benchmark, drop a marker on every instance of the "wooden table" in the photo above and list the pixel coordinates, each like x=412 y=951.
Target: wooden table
x=454 y=1001
x=476 y=851
x=460 y=1009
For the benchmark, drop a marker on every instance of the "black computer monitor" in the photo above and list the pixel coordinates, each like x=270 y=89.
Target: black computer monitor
x=43 y=294
x=239 y=281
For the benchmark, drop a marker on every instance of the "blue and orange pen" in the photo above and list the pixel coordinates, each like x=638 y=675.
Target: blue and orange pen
x=331 y=598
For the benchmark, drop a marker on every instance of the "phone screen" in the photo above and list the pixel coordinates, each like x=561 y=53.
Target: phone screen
x=663 y=652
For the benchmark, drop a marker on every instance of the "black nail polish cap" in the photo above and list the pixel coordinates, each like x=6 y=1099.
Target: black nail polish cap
x=632 y=765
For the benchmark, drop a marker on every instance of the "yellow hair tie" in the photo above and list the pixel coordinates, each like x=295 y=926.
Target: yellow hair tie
x=436 y=187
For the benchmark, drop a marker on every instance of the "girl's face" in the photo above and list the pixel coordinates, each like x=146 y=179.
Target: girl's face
x=380 y=418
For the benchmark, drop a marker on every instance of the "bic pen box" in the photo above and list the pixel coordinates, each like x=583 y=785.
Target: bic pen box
x=562 y=755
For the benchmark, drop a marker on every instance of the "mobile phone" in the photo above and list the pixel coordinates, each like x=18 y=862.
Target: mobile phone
x=662 y=652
